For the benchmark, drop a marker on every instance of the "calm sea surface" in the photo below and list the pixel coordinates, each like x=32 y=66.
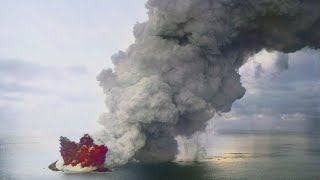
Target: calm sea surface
x=231 y=156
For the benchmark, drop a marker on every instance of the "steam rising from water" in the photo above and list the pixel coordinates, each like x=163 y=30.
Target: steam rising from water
x=183 y=68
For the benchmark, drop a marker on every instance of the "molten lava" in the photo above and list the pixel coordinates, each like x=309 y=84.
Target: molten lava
x=85 y=152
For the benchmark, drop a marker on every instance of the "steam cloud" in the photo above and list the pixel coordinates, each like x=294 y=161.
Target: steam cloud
x=183 y=68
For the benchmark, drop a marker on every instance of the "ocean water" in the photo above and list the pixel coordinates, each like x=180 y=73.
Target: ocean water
x=230 y=156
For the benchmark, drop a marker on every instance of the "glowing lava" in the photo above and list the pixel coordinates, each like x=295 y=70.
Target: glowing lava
x=83 y=155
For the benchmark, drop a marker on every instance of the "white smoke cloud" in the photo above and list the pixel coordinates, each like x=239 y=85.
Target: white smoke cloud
x=183 y=67
x=263 y=67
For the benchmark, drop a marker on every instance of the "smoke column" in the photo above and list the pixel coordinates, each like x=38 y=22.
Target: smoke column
x=183 y=68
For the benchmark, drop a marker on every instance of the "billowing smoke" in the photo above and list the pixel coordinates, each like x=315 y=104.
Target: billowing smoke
x=262 y=67
x=183 y=68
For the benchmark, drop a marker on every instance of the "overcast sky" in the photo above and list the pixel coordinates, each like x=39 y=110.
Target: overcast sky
x=282 y=93
x=51 y=52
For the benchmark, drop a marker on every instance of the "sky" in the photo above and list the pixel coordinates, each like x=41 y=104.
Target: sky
x=282 y=93
x=51 y=52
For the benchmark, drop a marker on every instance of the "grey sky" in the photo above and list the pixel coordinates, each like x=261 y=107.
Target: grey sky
x=67 y=32
x=278 y=100
x=51 y=52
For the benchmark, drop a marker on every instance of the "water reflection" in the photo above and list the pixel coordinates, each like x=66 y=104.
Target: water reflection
x=151 y=171
x=230 y=156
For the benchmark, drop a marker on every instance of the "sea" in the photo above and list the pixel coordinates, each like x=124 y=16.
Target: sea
x=230 y=155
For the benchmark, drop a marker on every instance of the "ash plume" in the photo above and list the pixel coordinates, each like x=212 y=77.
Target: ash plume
x=183 y=68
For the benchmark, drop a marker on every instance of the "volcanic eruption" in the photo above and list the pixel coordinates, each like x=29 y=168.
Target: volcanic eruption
x=183 y=68
x=84 y=156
